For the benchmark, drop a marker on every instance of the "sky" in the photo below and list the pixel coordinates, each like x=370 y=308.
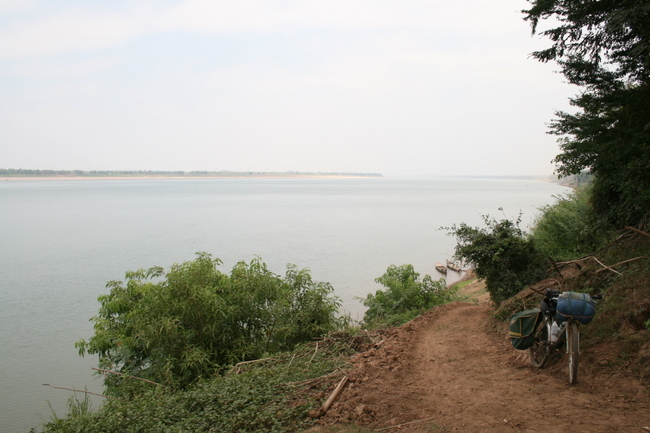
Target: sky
x=409 y=87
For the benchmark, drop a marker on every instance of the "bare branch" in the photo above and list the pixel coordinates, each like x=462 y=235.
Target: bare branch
x=332 y=396
x=126 y=375
x=78 y=390
x=641 y=232
x=621 y=263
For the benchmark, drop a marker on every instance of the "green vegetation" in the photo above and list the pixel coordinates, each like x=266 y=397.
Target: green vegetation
x=195 y=349
x=271 y=395
x=625 y=309
x=619 y=333
x=501 y=253
x=570 y=228
x=185 y=328
x=177 y=327
x=407 y=296
x=461 y=284
x=603 y=47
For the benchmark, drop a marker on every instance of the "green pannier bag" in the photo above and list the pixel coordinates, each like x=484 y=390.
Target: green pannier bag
x=522 y=326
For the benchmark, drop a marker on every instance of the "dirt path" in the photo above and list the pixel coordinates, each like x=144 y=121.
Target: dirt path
x=445 y=371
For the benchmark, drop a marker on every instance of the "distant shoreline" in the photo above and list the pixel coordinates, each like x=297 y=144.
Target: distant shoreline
x=164 y=177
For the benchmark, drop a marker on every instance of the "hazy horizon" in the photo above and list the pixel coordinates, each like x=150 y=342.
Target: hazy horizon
x=263 y=172
x=408 y=88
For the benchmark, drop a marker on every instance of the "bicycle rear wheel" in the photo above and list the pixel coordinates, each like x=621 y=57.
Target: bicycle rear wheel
x=541 y=350
x=573 y=348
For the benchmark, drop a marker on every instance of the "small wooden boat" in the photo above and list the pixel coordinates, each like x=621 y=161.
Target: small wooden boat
x=441 y=268
x=454 y=267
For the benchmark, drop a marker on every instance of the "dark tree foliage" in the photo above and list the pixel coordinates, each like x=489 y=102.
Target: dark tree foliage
x=502 y=254
x=604 y=47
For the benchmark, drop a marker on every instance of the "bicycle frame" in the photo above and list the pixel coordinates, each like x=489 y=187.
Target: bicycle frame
x=546 y=342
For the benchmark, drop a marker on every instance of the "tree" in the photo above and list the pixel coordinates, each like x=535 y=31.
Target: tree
x=176 y=327
x=603 y=46
x=501 y=253
x=406 y=297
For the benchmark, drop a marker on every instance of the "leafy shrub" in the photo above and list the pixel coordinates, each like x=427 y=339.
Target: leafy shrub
x=501 y=253
x=195 y=319
x=407 y=296
x=271 y=395
x=570 y=228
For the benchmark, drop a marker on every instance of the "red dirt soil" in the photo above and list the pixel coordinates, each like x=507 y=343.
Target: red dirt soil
x=448 y=370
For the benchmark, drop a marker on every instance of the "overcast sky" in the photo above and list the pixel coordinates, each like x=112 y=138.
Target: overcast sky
x=409 y=87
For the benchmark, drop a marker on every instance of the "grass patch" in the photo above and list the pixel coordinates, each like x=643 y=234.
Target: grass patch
x=459 y=285
x=274 y=395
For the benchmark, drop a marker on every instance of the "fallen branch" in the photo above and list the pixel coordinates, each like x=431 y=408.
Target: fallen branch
x=315 y=351
x=406 y=423
x=641 y=232
x=539 y=292
x=577 y=261
x=126 y=375
x=332 y=397
x=254 y=361
x=622 y=263
x=236 y=370
x=605 y=266
x=78 y=390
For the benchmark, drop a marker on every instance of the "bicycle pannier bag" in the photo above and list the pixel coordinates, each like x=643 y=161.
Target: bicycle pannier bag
x=574 y=305
x=522 y=326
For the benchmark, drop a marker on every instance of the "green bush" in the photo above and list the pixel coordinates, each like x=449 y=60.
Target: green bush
x=501 y=253
x=407 y=296
x=271 y=395
x=570 y=228
x=175 y=327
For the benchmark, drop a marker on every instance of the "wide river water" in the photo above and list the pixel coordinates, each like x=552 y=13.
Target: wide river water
x=61 y=241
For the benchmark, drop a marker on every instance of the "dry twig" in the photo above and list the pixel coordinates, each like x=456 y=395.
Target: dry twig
x=315 y=351
x=78 y=390
x=126 y=375
x=605 y=267
x=621 y=263
x=236 y=368
x=332 y=397
x=637 y=231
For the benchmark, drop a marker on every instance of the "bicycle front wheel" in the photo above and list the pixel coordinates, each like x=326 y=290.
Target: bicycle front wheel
x=541 y=349
x=573 y=348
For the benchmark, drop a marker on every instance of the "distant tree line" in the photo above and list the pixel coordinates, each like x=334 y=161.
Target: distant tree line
x=223 y=173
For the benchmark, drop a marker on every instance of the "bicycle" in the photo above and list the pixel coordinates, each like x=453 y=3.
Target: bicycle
x=550 y=333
